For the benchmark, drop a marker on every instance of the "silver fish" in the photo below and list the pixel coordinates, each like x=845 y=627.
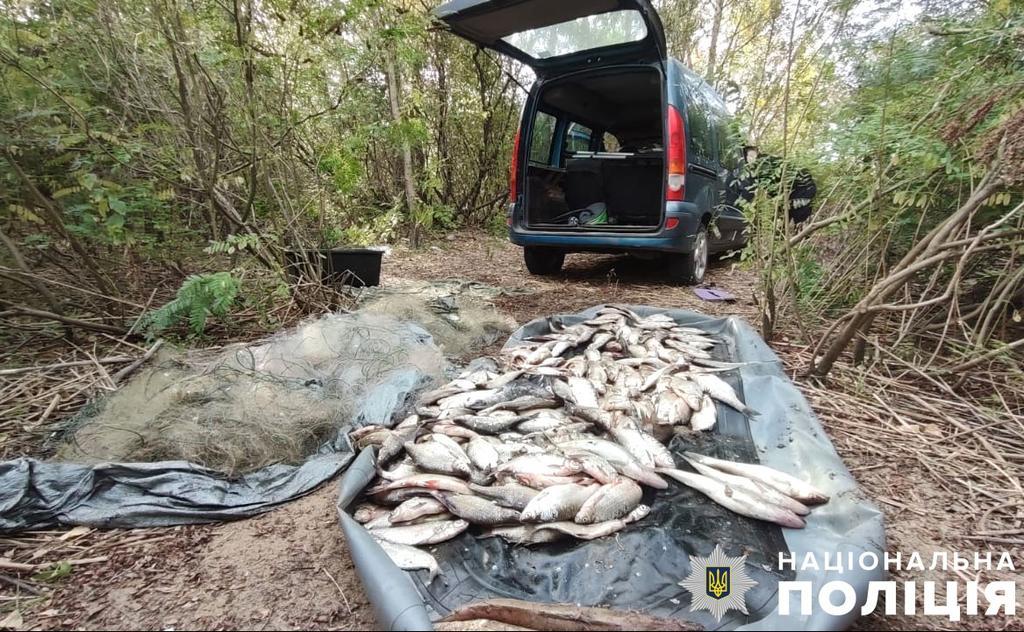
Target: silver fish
x=629 y=436
x=416 y=508
x=488 y=424
x=609 y=502
x=597 y=530
x=473 y=399
x=478 y=510
x=525 y=402
x=736 y=500
x=453 y=430
x=420 y=534
x=523 y=534
x=594 y=466
x=620 y=459
x=785 y=483
x=409 y=558
x=435 y=482
x=558 y=502
x=483 y=454
x=511 y=495
x=755 y=488
x=717 y=388
x=400 y=471
x=432 y=456
x=365 y=512
x=705 y=417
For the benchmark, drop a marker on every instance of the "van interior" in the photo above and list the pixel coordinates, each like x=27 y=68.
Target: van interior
x=596 y=155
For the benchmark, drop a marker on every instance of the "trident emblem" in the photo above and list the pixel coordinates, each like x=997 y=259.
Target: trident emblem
x=718 y=581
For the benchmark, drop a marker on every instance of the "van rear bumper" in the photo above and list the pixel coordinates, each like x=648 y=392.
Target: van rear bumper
x=675 y=240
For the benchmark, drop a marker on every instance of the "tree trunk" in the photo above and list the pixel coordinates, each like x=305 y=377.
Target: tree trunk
x=394 y=85
x=716 y=27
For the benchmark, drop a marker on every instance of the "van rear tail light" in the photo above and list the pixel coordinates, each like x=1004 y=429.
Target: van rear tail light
x=671 y=223
x=676 y=156
x=514 y=170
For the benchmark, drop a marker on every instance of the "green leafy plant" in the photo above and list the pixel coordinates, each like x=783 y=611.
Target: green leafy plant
x=198 y=298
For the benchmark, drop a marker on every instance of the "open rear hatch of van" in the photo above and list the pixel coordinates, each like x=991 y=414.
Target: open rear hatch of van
x=594 y=152
x=556 y=36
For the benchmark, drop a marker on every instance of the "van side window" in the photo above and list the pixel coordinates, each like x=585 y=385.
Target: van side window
x=701 y=139
x=540 y=143
x=577 y=138
x=729 y=145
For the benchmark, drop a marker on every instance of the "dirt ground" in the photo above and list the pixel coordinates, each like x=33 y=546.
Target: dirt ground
x=290 y=568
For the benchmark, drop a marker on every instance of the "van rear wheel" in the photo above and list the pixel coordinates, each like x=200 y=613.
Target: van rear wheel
x=543 y=261
x=690 y=268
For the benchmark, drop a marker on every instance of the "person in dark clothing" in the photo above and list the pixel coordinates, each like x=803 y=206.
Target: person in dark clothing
x=763 y=170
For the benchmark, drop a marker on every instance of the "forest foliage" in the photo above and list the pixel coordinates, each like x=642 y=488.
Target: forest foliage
x=207 y=136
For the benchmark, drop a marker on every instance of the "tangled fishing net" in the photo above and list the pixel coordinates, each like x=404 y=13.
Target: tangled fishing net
x=250 y=405
x=460 y=315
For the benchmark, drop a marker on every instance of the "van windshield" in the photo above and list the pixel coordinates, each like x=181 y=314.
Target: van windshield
x=584 y=33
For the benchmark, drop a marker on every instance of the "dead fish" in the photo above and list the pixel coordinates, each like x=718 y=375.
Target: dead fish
x=394 y=497
x=616 y=398
x=686 y=390
x=610 y=502
x=393 y=445
x=594 y=466
x=509 y=495
x=603 y=418
x=558 y=502
x=503 y=379
x=451 y=445
x=599 y=529
x=540 y=423
x=662 y=455
x=488 y=424
x=382 y=521
x=736 y=500
x=452 y=388
x=547 y=464
x=400 y=471
x=541 y=481
x=629 y=436
x=475 y=399
x=359 y=433
x=453 y=430
x=483 y=454
x=705 y=417
x=420 y=534
x=671 y=409
x=434 y=482
x=525 y=402
x=432 y=456
x=411 y=421
x=523 y=534
x=619 y=458
x=785 y=483
x=365 y=512
x=416 y=508
x=377 y=437
x=755 y=488
x=477 y=510
x=717 y=388
x=582 y=392
x=409 y=558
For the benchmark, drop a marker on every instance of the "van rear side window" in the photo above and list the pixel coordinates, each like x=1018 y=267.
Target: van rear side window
x=577 y=138
x=543 y=133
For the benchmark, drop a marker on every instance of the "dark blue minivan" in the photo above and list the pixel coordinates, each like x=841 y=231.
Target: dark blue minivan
x=621 y=148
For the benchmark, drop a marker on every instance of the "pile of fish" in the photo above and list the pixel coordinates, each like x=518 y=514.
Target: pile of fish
x=561 y=441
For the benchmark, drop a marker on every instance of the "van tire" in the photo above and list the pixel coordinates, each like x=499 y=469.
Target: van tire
x=690 y=268
x=543 y=261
